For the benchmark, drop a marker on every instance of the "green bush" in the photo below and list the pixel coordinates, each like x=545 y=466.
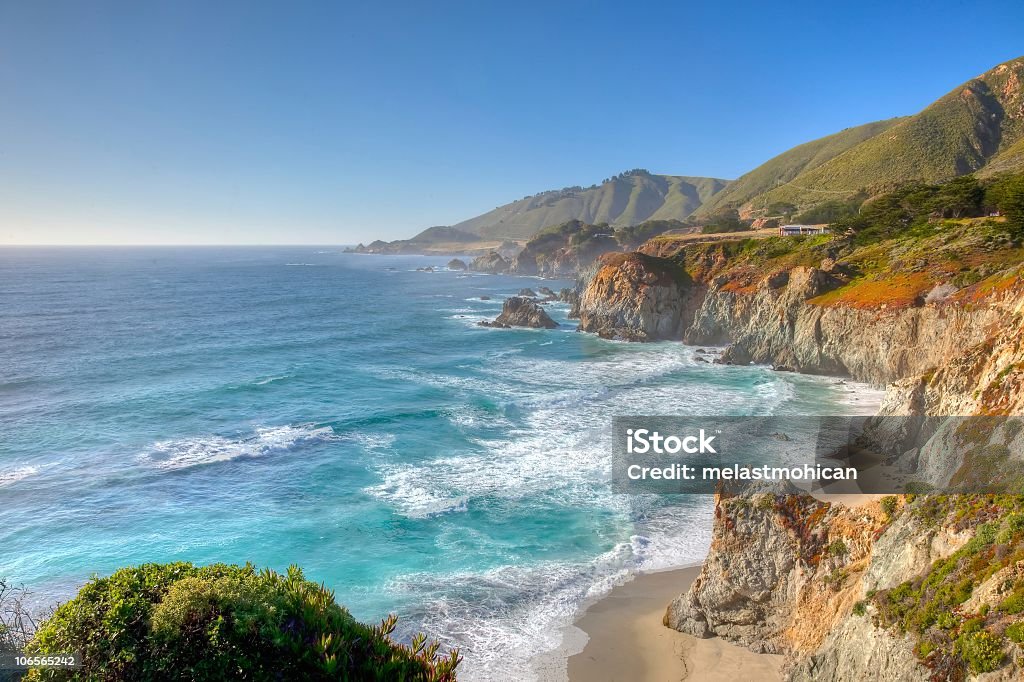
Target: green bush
x=1007 y=194
x=1015 y=633
x=837 y=548
x=890 y=504
x=860 y=608
x=981 y=651
x=1013 y=603
x=183 y=622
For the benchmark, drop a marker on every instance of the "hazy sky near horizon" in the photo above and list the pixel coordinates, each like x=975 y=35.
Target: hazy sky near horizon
x=337 y=122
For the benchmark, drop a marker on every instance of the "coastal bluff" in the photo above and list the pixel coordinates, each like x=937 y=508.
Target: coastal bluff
x=902 y=588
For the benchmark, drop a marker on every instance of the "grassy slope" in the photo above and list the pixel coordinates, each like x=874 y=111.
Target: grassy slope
x=621 y=201
x=978 y=127
x=973 y=255
x=790 y=164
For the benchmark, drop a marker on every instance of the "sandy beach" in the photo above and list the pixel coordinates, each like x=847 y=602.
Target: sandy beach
x=628 y=643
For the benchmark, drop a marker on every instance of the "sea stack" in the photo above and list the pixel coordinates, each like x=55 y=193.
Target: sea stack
x=519 y=311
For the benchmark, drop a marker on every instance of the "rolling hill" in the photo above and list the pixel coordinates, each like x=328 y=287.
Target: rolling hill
x=790 y=164
x=976 y=128
x=626 y=199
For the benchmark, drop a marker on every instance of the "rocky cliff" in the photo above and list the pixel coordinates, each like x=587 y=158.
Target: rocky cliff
x=910 y=588
x=815 y=307
x=926 y=590
x=636 y=297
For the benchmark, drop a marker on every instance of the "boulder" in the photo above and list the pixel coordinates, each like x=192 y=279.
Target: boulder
x=456 y=264
x=492 y=263
x=519 y=311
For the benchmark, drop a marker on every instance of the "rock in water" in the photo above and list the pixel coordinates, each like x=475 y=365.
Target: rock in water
x=456 y=264
x=528 y=293
x=492 y=262
x=518 y=311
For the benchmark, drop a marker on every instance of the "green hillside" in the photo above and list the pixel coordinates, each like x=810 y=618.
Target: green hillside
x=976 y=128
x=443 y=233
x=627 y=199
x=790 y=164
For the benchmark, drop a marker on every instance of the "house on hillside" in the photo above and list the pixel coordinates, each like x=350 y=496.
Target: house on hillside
x=797 y=230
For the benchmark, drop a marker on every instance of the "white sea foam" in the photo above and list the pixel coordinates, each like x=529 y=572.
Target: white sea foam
x=371 y=441
x=269 y=380
x=18 y=474
x=500 y=619
x=184 y=453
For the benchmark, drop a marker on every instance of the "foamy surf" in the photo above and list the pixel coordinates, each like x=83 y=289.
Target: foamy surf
x=18 y=474
x=185 y=453
x=501 y=619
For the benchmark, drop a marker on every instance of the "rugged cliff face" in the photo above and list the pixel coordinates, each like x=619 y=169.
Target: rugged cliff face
x=884 y=591
x=781 y=320
x=635 y=297
x=879 y=313
x=781 y=566
x=879 y=591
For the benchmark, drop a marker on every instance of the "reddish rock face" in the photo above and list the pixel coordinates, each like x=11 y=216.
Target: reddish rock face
x=635 y=297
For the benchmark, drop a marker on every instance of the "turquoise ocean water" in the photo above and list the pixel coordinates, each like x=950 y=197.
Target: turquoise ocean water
x=343 y=413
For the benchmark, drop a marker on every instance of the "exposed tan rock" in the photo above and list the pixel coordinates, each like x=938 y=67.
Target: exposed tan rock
x=519 y=311
x=492 y=262
x=770 y=581
x=636 y=297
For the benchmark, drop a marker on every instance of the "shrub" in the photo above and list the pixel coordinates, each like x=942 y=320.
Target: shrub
x=1015 y=633
x=1013 y=603
x=860 y=608
x=837 y=548
x=1007 y=194
x=946 y=620
x=17 y=622
x=179 y=621
x=980 y=650
x=889 y=505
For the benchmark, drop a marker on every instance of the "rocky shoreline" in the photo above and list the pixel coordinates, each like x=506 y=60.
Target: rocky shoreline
x=787 y=573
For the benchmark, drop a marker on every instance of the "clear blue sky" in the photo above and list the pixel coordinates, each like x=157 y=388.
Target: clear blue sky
x=332 y=122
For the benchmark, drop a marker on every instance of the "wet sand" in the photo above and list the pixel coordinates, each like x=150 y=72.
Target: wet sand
x=628 y=643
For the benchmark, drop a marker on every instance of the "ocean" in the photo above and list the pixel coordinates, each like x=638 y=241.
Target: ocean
x=343 y=413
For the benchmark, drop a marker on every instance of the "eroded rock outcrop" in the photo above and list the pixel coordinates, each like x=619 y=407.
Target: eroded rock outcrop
x=778 y=321
x=493 y=263
x=788 y=574
x=562 y=250
x=636 y=297
x=779 y=562
x=457 y=264
x=830 y=586
x=518 y=311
